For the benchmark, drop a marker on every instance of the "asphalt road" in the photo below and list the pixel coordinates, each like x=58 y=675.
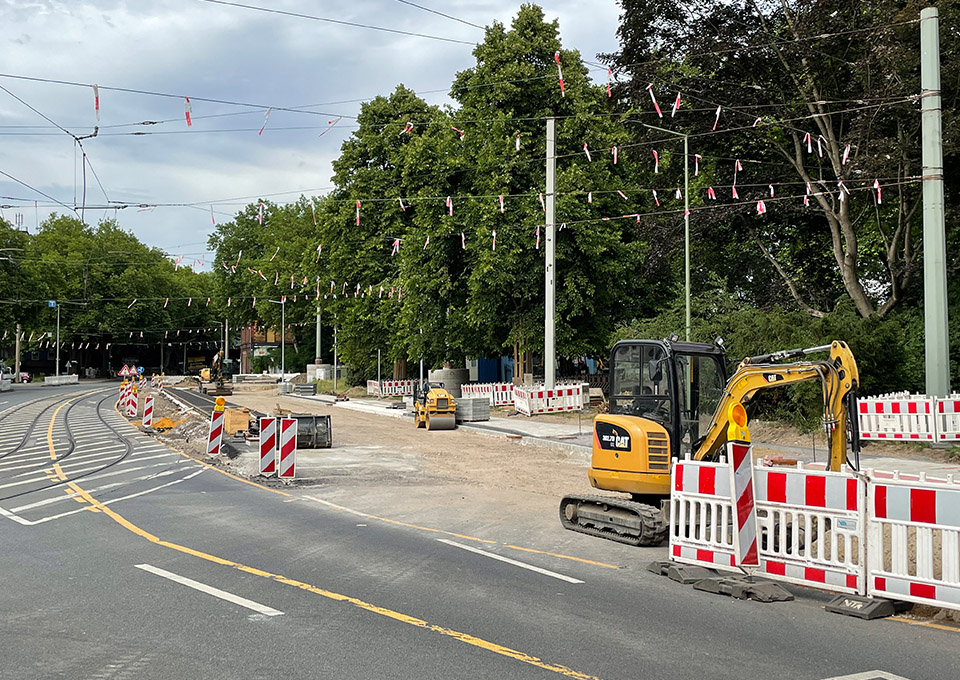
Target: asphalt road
x=123 y=559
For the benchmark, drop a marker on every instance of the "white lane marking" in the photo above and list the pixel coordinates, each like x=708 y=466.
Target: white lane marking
x=210 y=590
x=522 y=565
x=48 y=461
x=42 y=520
x=869 y=675
x=105 y=487
x=119 y=471
x=338 y=507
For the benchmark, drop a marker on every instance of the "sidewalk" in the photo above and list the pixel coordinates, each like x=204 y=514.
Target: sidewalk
x=578 y=437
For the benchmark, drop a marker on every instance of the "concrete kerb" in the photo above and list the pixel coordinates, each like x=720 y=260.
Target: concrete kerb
x=520 y=440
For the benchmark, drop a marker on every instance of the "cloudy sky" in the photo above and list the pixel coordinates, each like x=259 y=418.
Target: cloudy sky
x=209 y=50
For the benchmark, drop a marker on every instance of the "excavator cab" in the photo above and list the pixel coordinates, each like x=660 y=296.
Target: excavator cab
x=675 y=385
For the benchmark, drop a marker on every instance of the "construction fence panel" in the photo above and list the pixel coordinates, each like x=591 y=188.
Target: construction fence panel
x=373 y=388
x=947 y=417
x=534 y=400
x=391 y=388
x=499 y=394
x=913 y=540
x=810 y=523
x=910 y=417
x=702 y=522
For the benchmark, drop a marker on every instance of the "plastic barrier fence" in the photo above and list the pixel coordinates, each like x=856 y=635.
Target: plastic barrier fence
x=897 y=417
x=947 y=418
x=810 y=523
x=913 y=541
x=536 y=399
x=499 y=394
x=390 y=388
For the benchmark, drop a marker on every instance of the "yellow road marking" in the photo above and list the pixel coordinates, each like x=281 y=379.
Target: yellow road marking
x=565 y=557
x=53 y=453
x=382 y=611
x=97 y=506
x=927 y=624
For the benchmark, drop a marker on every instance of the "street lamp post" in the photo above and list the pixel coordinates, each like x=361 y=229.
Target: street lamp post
x=686 y=215
x=283 y=334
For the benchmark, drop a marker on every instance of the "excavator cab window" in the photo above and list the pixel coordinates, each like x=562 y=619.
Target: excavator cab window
x=701 y=382
x=640 y=382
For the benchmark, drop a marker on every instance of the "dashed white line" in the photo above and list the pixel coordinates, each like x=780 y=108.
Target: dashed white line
x=869 y=675
x=516 y=563
x=210 y=590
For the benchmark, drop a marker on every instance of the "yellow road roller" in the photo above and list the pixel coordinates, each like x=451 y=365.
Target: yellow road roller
x=434 y=408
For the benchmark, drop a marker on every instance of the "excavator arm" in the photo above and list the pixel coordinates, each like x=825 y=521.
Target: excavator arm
x=838 y=376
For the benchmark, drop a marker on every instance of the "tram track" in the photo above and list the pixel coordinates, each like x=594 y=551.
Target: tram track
x=72 y=446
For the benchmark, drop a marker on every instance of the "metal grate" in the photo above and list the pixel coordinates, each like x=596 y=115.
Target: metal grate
x=442 y=402
x=658 y=453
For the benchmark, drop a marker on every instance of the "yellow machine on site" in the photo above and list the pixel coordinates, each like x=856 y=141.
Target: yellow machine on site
x=671 y=399
x=434 y=408
x=212 y=379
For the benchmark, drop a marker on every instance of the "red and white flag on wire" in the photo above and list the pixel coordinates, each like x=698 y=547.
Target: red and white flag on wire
x=609 y=82
x=501 y=204
x=761 y=208
x=846 y=155
x=459 y=132
x=876 y=185
x=543 y=206
x=266 y=117
x=676 y=105
x=587 y=151
x=717 y=119
x=358 y=214
x=96 y=100
x=449 y=206
x=494 y=240
x=463 y=241
x=711 y=194
x=589 y=197
x=696 y=164
x=653 y=98
x=187 y=110
x=556 y=58
x=406 y=128
x=807 y=139
x=518 y=142
x=613 y=150
x=396 y=249
x=656 y=162
x=655 y=199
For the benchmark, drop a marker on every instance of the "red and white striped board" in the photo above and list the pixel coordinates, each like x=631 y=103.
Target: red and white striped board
x=948 y=419
x=287 y=466
x=268 y=446
x=216 y=433
x=746 y=553
x=132 y=402
x=148 y=412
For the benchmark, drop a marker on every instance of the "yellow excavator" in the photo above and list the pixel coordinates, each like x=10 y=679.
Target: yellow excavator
x=434 y=407
x=671 y=399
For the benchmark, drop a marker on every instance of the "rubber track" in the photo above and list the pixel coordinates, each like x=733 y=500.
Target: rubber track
x=654 y=531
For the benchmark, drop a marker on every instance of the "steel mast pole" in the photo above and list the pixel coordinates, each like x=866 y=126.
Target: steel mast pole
x=57 y=370
x=549 y=270
x=937 y=340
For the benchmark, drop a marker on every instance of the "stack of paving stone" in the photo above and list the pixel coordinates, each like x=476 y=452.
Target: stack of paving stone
x=473 y=409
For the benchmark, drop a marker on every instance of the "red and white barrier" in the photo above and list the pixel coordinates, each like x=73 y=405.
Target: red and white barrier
x=148 y=412
x=811 y=523
x=287 y=465
x=913 y=541
x=268 y=446
x=947 y=418
x=373 y=388
x=499 y=394
x=745 y=550
x=132 y=405
x=534 y=400
x=216 y=433
x=390 y=388
x=905 y=416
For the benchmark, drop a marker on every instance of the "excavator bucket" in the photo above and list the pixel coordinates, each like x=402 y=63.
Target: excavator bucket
x=441 y=421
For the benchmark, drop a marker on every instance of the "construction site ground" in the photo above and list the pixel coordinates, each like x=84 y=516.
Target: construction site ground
x=500 y=479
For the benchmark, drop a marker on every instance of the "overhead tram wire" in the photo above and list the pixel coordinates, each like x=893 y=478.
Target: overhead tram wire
x=340 y=22
x=446 y=16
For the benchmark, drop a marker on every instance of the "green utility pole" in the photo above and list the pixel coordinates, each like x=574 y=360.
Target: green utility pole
x=550 y=264
x=937 y=342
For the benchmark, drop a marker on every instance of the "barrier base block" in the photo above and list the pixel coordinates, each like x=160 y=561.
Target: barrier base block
x=681 y=573
x=745 y=588
x=867 y=608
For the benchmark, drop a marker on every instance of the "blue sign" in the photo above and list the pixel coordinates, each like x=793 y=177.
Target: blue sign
x=51 y=303
x=140 y=370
